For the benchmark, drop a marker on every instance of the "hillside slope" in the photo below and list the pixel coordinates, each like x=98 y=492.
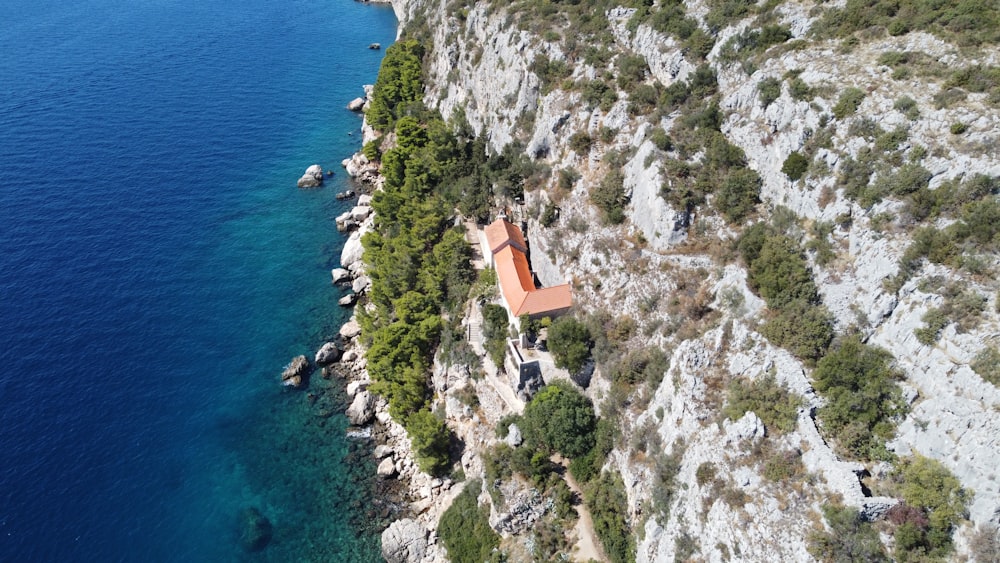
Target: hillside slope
x=868 y=142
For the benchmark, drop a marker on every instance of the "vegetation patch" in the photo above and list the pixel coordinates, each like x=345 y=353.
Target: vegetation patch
x=863 y=400
x=606 y=500
x=465 y=530
x=772 y=402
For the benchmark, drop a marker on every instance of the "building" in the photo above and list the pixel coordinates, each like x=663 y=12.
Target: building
x=508 y=256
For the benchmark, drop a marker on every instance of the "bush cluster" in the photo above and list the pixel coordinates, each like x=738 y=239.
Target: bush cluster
x=465 y=529
x=780 y=274
x=773 y=403
x=863 y=400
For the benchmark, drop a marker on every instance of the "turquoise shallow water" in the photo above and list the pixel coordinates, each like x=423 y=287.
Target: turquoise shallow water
x=158 y=268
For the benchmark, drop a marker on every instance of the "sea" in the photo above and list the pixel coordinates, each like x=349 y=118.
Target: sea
x=159 y=268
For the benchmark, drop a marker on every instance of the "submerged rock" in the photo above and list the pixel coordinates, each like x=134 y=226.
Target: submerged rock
x=255 y=529
x=312 y=178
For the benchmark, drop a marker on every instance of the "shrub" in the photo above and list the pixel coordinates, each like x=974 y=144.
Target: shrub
x=804 y=329
x=580 y=142
x=597 y=93
x=850 y=538
x=430 y=438
x=739 y=194
x=987 y=364
x=567 y=178
x=465 y=527
x=570 y=342
x=608 y=505
x=848 y=103
x=928 y=486
x=705 y=473
x=643 y=99
x=768 y=90
x=863 y=401
x=609 y=197
x=661 y=139
x=795 y=166
x=908 y=107
x=772 y=402
x=799 y=90
x=781 y=274
x=934 y=322
x=958 y=128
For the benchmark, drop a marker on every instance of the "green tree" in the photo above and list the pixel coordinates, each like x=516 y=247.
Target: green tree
x=430 y=438
x=465 y=527
x=781 y=274
x=850 y=539
x=928 y=486
x=608 y=505
x=560 y=419
x=739 y=194
x=570 y=341
x=795 y=166
x=863 y=400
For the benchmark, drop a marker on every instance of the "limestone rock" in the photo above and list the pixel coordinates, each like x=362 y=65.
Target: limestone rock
x=328 y=354
x=350 y=356
x=352 y=252
x=360 y=213
x=350 y=329
x=356 y=104
x=356 y=386
x=361 y=284
x=340 y=275
x=296 y=372
x=312 y=178
x=383 y=451
x=362 y=409
x=514 y=437
x=386 y=468
x=347 y=300
x=404 y=541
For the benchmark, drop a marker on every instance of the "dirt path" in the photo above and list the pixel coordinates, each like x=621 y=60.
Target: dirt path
x=587 y=547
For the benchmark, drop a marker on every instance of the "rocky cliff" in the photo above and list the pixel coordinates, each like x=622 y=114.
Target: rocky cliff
x=672 y=272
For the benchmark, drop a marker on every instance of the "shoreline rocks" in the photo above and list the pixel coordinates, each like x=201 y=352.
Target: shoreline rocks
x=327 y=354
x=296 y=373
x=312 y=178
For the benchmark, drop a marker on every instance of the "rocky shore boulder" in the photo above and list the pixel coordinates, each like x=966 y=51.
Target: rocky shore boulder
x=328 y=354
x=352 y=252
x=350 y=329
x=312 y=178
x=362 y=409
x=296 y=373
x=255 y=529
x=357 y=104
x=403 y=541
x=347 y=300
x=387 y=468
x=340 y=275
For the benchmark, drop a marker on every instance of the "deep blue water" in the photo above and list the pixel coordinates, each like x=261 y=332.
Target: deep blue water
x=158 y=268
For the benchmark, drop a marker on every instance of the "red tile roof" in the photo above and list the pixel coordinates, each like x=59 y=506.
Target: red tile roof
x=516 y=282
x=501 y=232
